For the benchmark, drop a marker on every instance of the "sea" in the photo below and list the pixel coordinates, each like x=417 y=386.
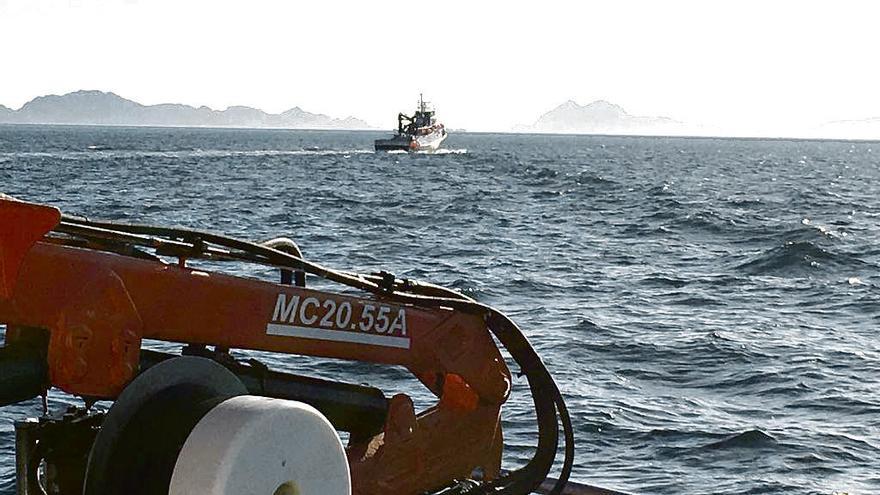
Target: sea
x=709 y=307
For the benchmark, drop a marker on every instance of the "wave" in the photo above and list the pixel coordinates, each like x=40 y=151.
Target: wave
x=706 y=221
x=589 y=178
x=664 y=281
x=745 y=202
x=798 y=258
x=750 y=439
x=440 y=151
x=663 y=209
x=664 y=190
x=808 y=231
x=110 y=153
x=444 y=151
x=675 y=361
x=696 y=301
x=540 y=176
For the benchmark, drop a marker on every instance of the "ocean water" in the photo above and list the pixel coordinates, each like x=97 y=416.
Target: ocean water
x=709 y=307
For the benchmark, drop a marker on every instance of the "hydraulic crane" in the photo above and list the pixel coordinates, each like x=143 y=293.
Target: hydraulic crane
x=79 y=298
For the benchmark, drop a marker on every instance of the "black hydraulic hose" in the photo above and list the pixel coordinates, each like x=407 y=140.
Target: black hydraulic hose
x=273 y=256
x=568 y=430
x=549 y=404
x=530 y=477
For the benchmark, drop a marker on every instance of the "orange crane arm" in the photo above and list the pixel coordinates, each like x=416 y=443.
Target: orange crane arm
x=99 y=305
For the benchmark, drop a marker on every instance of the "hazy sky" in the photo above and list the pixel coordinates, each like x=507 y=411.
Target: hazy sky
x=764 y=66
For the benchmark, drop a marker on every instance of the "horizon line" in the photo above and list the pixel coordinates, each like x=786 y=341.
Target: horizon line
x=508 y=132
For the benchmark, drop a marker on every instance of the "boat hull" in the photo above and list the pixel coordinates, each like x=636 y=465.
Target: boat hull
x=397 y=143
x=404 y=142
x=430 y=142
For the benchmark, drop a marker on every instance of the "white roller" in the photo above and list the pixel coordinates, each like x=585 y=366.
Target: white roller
x=250 y=445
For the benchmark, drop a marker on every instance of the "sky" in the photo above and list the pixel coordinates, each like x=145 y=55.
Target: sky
x=751 y=67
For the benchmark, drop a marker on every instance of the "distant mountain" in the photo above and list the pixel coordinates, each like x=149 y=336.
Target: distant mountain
x=600 y=117
x=98 y=107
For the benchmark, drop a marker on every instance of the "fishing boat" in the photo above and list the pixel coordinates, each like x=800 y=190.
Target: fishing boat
x=419 y=132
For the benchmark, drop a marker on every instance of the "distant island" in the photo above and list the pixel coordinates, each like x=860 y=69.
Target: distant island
x=600 y=117
x=104 y=108
x=852 y=129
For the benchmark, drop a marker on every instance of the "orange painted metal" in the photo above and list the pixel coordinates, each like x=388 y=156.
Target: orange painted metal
x=443 y=444
x=98 y=306
x=21 y=225
x=94 y=347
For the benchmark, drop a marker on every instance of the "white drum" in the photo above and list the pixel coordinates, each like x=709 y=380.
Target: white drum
x=250 y=445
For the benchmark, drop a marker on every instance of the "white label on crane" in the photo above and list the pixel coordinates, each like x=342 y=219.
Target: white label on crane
x=311 y=318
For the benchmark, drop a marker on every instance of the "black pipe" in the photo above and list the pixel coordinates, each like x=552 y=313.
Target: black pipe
x=24 y=373
x=358 y=409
